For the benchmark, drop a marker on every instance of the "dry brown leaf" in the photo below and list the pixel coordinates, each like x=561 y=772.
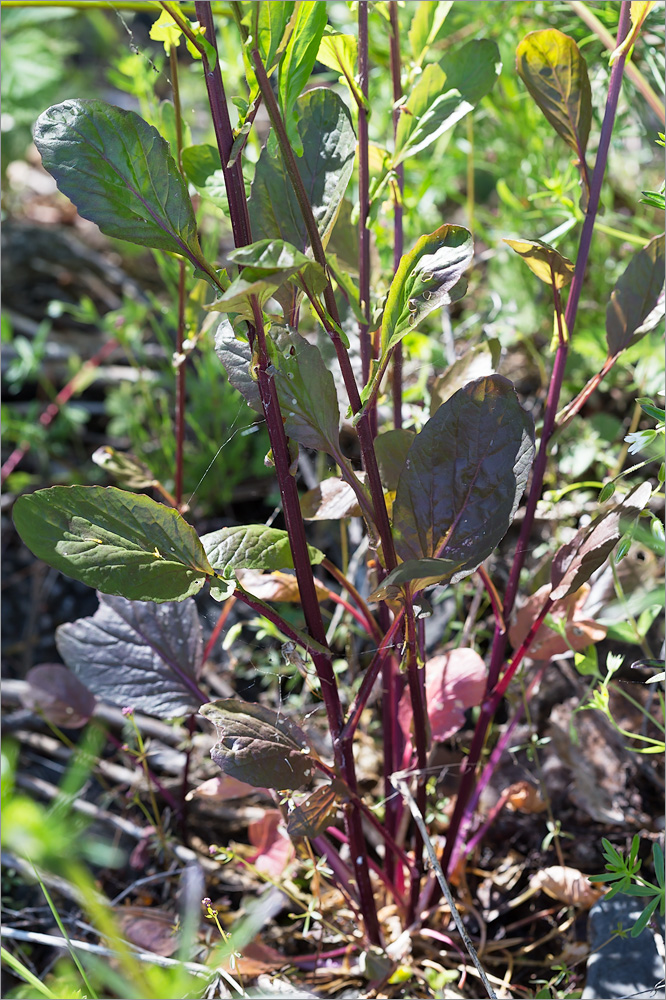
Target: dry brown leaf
x=580 y=631
x=222 y=788
x=150 y=929
x=525 y=797
x=567 y=885
x=331 y=500
x=276 y=586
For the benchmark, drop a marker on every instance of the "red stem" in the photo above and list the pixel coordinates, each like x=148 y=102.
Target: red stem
x=397 y=200
x=416 y=681
x=364 y=192
x=219 y=625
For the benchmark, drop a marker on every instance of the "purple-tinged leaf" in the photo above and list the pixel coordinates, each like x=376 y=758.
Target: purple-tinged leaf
x=57 y=694
x=310 y=816
x=575 y=562
x=138 y=654
x=121 y=543
x=428 y=277
x=464 y=476
x=251 y=546
x=555 y=73
x=118 y=171
x=259 y=746
x=637 y=302
x=391 y=449
x=274 y=850
x=477 y=362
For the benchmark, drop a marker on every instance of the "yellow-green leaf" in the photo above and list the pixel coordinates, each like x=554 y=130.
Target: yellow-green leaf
x=544 y=261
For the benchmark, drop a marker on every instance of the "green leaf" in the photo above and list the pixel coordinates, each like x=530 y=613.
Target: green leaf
x=236 y=357
x=306 y=391
x=391 y=449
x=340 y=53
x=431 y=108
x=251 y=546
x=555 y=73
x=428 y=277
x=259 y=746
x=272 y=21
x=637 y=302
x=268 y=257
x=200 y=162
x=426 y=25
x=464 y=476
x=119 y=173
x=575 y=562
x=473 y=68
x=329 y=147
x=478 y=361
x=120 y=543
x=651 y=409
x=420 y=573
x=544 y=261
x=297 y=63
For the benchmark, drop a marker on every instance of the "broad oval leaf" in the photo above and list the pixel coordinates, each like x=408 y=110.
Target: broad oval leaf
x=464 y=476
x=306 y=391
x=544 y=261
x=251 y=546
x=54 y=692
x=431 y=109
x=311 y=815
x=569 y=613
x=455 y=681
x=236 y=358
x=477 y=361
x=118 y=171
x=637 y=302
x=575 y=562
x=138 y=654
x=259 y=746
x=426 y=25
x=268 y=257
x=120 y=543
x=472 y=68
x=428 y=277
x=203 y=168
x=555 y=73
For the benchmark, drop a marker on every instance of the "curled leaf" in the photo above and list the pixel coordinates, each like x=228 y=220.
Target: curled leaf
x=544 y=261
x=276 y=586
x=332 y=500
x=310 y=816
x=637 y=302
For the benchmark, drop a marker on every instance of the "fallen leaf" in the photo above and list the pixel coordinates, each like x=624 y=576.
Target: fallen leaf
x=222 y=788
x=276 y=586
x=580 y=631
x=525 y=797
x=331 y=500
x=56 y=693
x=151 y=930
x=567 y=885
x=275 y=850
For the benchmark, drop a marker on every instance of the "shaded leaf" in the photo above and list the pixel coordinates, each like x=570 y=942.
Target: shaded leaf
x=575 y=562
x=475 y=363
x=579 y=631
x=431 y=109
x=149 y=929
x=296 y=65
x=251 y=546
x=306 y=391
x=310 y=816
x=275 y=851
x=121 y=543
x=56 y=693
x=426 y=25
x=332 y=500
x=523 y=796
x=329 y=147
x=472 y=68
x=637 y=302
x=428 y=277
x=259 y=746
x=544 y=261
x=464 y=476
x=143 y=655
x=391 y=449
x=420 y=573
x=555 y=73
x=276 y=586
x=203 y=168
x=236 y=358
x=119 y=173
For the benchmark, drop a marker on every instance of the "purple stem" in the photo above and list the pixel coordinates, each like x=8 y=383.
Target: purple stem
x=364 y=192
x=398 y=196
x=416 y=681
x=501 y=637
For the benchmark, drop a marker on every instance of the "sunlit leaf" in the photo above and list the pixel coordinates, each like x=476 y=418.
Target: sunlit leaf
x=472 y=68
x=428 y=277
x=639 y=11
x=251 y=546
x=544 y=261
x=276 y=586
x=578 y=630
x=431 y=109
x=455 y=681
x=477 y=361
x=259 y=746
x=555 y=73
x=426 y=25
x=119 y=173
x=120 y=543
x=339 y=53
x=311 y=815
x=420 y=573
x=236 y=357
x=637 y=302
x=296 y=65
x=332 y=500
